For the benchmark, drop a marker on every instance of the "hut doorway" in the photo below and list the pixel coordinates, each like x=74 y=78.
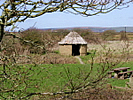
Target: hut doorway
x=75 y=49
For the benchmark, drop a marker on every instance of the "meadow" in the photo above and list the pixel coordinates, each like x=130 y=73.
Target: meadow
x=53 y=75
x=27 y=69
x=54 y=78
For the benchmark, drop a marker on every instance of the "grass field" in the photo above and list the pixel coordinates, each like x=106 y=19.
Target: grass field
x=57 y=73
x=28 y=78
x=55 y=77
x=25 y=69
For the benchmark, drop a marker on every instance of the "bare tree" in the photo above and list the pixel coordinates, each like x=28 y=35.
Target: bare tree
x=13 y=11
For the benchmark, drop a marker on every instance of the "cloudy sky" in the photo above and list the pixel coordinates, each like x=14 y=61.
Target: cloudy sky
x=116 y=18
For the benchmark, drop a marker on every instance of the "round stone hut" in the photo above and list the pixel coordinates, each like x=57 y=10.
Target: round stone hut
x=73 y=44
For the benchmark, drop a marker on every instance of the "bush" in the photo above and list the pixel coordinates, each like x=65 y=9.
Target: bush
x=34 y=40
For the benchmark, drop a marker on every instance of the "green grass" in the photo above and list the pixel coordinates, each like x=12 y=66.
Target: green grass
x=53 y=77
x=88 y=57
x=118 y=82
x=48 y=77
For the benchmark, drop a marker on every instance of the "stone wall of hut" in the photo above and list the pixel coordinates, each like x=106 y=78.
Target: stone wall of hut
x=83 y=49
x=65 y=49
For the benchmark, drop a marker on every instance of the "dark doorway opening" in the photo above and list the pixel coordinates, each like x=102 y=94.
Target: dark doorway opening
x=75 y=49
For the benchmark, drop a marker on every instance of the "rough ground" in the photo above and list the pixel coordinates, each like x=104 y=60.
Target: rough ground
x=80 y=60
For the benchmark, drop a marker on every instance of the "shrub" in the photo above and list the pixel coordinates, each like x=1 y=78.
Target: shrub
x=34 y=40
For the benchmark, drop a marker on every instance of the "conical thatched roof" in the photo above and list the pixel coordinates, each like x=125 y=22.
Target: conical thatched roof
x=73 y=38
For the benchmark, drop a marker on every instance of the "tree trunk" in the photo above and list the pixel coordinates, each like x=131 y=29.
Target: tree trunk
x=1 y=32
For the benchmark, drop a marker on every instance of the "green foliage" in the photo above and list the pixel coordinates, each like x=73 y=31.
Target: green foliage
x=57 y=51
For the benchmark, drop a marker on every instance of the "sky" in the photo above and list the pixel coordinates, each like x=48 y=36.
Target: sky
x=116 y=18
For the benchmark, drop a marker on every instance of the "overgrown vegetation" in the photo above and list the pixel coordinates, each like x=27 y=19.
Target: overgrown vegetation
x=37 y=41
x=32 y=68
x=27 y=81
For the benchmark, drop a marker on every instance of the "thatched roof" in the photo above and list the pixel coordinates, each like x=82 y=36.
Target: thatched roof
x=73 y=38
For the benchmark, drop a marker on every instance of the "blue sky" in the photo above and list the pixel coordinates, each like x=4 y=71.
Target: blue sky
x=116 y=18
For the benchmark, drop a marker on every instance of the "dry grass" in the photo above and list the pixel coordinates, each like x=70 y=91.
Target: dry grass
x=92 y=94
x=105 y=94
x=53 y=58
x=116 y=47
x=49 y=58
x=113 y=45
